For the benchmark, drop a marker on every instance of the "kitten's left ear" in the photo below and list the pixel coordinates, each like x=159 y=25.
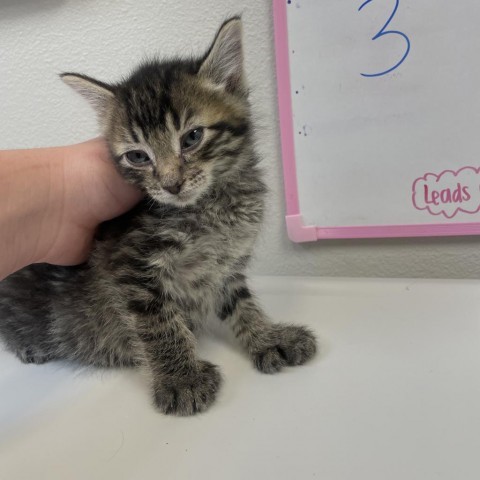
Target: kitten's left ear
x=223 y=62
x=98 y=94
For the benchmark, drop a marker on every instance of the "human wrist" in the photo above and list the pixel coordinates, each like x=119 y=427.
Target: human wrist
x=30 y=186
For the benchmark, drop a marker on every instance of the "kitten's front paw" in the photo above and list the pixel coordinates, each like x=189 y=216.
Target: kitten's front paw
x=191 y=393
x=285 y=345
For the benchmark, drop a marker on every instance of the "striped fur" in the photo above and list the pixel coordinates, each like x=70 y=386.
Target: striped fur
x=158 y=271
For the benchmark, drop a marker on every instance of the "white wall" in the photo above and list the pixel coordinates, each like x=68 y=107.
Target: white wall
x=105 y=38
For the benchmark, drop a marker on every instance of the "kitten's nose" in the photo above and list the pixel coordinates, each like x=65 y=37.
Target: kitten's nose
x=174 y=189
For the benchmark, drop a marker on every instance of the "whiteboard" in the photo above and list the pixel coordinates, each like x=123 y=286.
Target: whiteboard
x=380 y=117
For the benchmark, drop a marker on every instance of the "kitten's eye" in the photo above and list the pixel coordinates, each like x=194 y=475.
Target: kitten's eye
x=192 y=138
x=137 y=157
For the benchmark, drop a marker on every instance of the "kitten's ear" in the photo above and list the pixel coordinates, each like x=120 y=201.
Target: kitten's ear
x=98 y=94
x=223 y=62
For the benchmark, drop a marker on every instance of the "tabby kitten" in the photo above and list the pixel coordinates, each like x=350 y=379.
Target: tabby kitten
x=181 y=131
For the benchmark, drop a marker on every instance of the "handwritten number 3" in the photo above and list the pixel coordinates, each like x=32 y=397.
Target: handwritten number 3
x=384 y=32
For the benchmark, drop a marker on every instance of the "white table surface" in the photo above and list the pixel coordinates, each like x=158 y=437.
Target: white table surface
x=394 y=394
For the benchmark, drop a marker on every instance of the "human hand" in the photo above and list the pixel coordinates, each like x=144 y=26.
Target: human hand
x=52 y=200
x=92 y=192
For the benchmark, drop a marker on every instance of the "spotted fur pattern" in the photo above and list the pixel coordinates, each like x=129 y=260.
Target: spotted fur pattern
x=157 y=272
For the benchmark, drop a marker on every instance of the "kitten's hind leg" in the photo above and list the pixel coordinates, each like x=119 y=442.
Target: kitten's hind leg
x=182 y=383
x=33 y=355
x=271 y=346
x=27 y=337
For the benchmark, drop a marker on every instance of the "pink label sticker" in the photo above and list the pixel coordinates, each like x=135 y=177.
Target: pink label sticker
x=449 y=192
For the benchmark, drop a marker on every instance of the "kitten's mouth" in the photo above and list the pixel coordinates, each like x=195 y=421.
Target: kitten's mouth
x=184 y=197
x=180 y=199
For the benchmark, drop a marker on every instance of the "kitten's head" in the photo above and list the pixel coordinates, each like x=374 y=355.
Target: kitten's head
x=175 y=128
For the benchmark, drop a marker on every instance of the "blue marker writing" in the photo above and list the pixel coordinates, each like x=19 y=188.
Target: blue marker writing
x=383 y=32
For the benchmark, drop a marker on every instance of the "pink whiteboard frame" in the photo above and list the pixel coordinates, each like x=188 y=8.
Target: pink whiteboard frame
x=297 y=231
